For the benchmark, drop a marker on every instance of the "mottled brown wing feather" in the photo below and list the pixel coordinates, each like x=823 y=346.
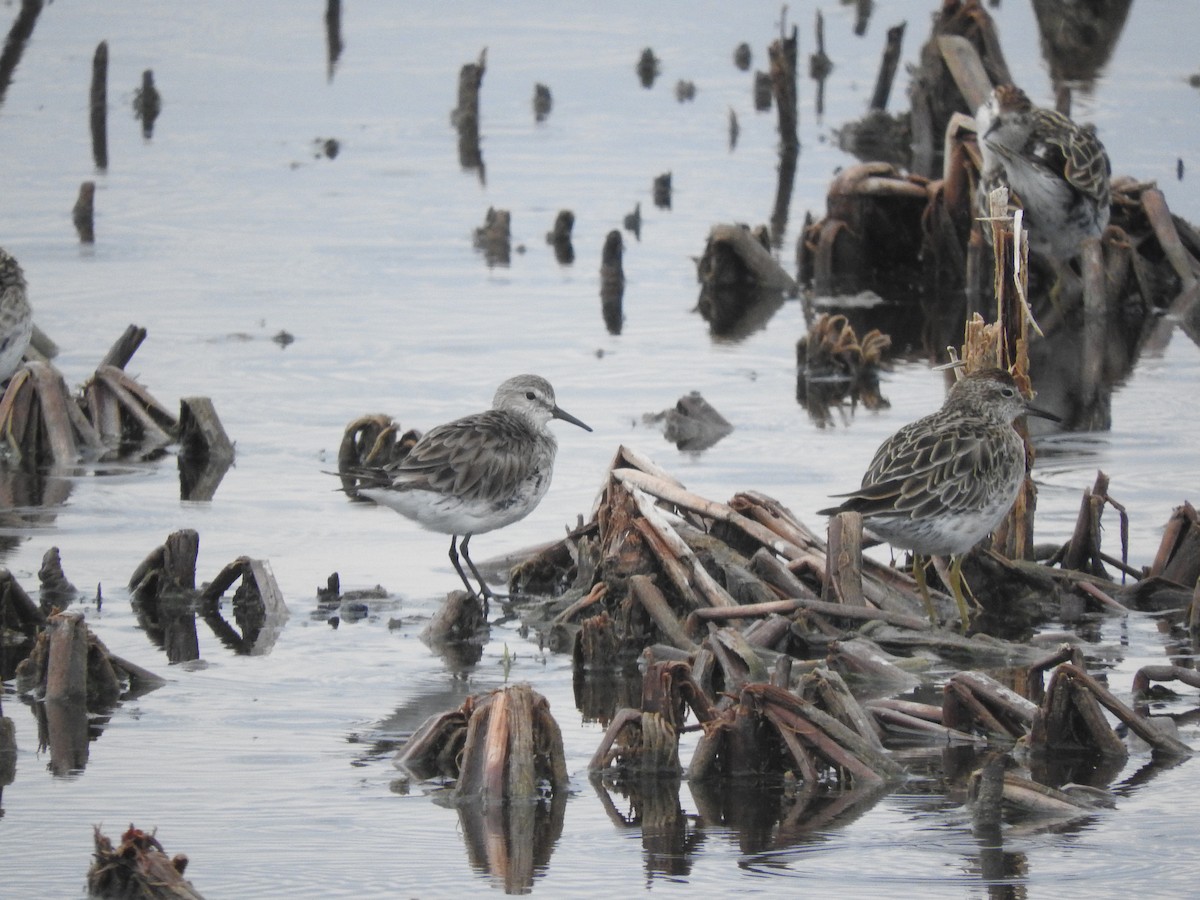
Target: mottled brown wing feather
x=1076 y=152
x=1087 y=167
x=924 y=472
x=472 y=457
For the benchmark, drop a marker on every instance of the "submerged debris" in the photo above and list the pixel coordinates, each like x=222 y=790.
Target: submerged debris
x=543 y=102
x=612 y=282
x=741 y=283
x=57 y=592
x=870 y=238
x=662 y=191
x=138 y=869
x=494 y=237
x=559 y=237
x=820 y=66
x=83 y=213
x=633 y=221
x=73 y=677
x=692 y=423
x=498 y=747
x=833 y=366
x=648 y=68
x=114 y=415
x=742 y=56
x=167 y=601
x=465 y=116
x=147 y=104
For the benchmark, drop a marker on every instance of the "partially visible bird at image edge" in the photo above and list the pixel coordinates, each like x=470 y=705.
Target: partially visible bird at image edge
x=16 y=316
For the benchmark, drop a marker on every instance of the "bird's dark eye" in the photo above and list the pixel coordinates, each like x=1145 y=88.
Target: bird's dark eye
x=1009 y=392
x=530 y=395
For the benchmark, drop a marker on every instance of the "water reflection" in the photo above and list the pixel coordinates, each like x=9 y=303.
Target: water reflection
x=1077 y=39
x=63 y=729
x=165 y=599
x=599 y=694
x=670 y=838
x=29 y=501
x=512 y=842
x=764 y=818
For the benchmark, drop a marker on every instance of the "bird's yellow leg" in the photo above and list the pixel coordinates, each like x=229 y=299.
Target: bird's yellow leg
x=956 y=586
x=918 y=573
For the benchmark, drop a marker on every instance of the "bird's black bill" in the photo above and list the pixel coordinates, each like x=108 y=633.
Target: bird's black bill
x=567 y=417
x=1042 y=414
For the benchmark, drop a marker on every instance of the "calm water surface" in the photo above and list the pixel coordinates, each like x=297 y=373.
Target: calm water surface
x=273 y=772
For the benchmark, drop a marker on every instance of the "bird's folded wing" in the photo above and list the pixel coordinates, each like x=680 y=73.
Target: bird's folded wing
x=484 y=454
x=924 y=473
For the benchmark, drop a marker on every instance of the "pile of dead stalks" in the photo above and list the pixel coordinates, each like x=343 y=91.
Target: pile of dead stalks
x=750 y=629
x=45 y=427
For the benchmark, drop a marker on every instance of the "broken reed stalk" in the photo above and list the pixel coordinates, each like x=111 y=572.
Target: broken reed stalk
x=1154 y=204
x=171 y=566
x=677 y=557
x=612 y=281
x=83 y=214
x=66 y=663
x=782 y=54
x=1004 y=345
x=1178 y=556
x=887 y=67
x=16 y=41
x=1161 y=742
x=123 y=348
x=465 y=116
x=843 y=560
x=99 y=106
x=333 y=34
x=17 y=609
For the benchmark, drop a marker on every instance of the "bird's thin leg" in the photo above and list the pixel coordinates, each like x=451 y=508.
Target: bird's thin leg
x=918 y=572
x=457 y=565
x=956 y=585
x=487 y=592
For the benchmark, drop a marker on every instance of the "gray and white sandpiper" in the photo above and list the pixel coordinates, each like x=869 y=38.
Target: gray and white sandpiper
x=941 y=484
x=1057 y=168
x=16 y=317
x=478 y=473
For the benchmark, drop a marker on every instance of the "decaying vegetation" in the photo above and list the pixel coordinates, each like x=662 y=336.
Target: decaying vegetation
x=137 y=869
x=785 y=651
x=112 y=416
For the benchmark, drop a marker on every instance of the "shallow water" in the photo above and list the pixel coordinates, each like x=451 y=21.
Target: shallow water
x=273 y=772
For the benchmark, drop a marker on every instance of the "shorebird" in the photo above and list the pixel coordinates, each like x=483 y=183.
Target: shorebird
x=941 y=484
x=16 y=317
x=478 y=473
x=1058 y=169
